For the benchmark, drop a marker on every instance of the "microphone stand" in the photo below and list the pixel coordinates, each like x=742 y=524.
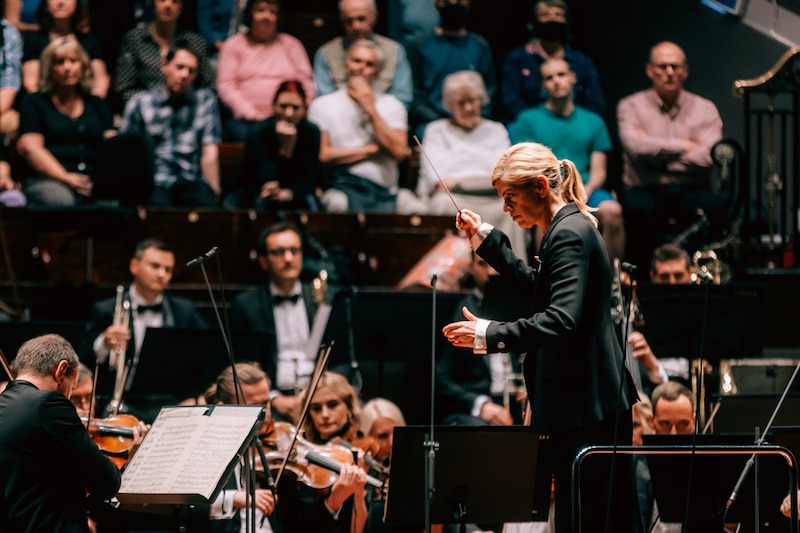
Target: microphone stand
x=759 y=441
x=430 y=443
x=355 y=371
x=224 y=327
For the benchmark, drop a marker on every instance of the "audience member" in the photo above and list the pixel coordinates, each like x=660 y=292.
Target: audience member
x=61 y=18
x=280 y=165
x=364 y=136
x=151 y=267
x=217 y=20
x=579 y=135
x=479 y=390
x=449 y=48
x=330 y=61
x=667 y=134
x=465 y=149
x=285 y=307
x=145 y=47
x=10 y=190
x=43 y=490
x=10 y=78
x=22 y=14
x=408 y=20
x=183 y=125
x=62 y=128
x=521 y=84
x=253 y=64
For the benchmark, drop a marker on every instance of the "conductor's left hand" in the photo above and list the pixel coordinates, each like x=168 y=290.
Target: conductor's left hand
x=462 y=334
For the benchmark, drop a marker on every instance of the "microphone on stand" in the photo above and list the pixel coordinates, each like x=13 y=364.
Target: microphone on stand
x=199 y=260
x=430 y=442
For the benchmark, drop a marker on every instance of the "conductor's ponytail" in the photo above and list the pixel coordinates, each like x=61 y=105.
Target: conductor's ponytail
x=572 y=189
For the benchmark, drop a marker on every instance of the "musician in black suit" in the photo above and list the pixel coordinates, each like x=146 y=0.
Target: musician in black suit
x=48 y=462
x=579 y=390
x=284 y=307
x=151 y=266
x=469 y=390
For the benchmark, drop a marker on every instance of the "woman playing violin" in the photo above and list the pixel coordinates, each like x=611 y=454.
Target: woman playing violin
x=334 y=411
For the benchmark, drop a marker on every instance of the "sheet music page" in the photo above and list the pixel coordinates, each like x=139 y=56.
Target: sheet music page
x=187 y=451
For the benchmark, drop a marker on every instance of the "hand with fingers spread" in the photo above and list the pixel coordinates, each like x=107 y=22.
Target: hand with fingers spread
x=462 y=334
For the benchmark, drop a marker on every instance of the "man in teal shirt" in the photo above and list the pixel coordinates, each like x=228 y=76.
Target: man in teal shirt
x=579 y=135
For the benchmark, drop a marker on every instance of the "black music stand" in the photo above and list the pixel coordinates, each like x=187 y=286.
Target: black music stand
x=743 y=413
x=713 y=479
x=482 y=474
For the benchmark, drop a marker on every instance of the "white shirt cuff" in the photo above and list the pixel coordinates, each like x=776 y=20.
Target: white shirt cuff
x=477 y=405
x=481 y=235
x=658 y=376
x=101 y=351
x=480 y=336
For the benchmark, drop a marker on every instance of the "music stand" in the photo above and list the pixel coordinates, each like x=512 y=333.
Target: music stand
x=482 y=474
x=183 y=362
x=713 y=479
x=677 y=317
x=742 y=413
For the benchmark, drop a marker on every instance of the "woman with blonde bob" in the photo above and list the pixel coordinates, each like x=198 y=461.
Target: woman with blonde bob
x=580 y=394
x=62 y=128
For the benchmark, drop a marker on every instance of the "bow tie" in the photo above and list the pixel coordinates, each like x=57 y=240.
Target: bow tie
x=156 y=308
x=278 y=299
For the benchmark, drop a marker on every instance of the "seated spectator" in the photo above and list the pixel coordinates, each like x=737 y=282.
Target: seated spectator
x=22 y=14
x=254 y=63
x=183 y=125
x=521 y=83
x=143 y=49
x=10 y=189
x=217 y=20
x=450 y=48
x=330 y=61
x=666 y=134
x=579 y=135
x=465 y=149
x=59 y=18
x=364 y=136
x=280 y=166
x=10 y=78
x=62 y=127
x=408 y=20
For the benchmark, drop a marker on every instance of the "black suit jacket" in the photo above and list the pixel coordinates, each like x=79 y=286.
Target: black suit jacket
x=574 y=361
x=252 y=310
x=47 y=463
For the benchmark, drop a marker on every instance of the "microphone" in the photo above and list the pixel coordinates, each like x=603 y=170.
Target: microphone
x=433 y=281
x=199 y=260
x=748 y=465
x=629 y=268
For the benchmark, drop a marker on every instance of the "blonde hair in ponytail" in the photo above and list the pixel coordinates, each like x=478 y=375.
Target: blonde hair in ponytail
x=524 y=162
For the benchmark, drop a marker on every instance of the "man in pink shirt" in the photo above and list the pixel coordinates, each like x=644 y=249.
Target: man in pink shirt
x=666 y=134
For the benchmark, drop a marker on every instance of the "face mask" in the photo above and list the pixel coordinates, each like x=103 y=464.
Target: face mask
x=551 y=31
x=453 y=16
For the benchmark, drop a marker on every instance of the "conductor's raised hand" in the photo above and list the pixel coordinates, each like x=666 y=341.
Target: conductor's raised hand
x=469 y=222
x=462 y=334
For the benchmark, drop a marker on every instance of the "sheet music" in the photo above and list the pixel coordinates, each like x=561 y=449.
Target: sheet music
x=186 y=453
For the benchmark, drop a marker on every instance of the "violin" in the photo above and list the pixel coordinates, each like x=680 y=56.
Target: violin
x=315 y=466
x=113 y=435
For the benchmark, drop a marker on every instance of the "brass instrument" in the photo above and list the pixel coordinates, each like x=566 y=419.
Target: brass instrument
x=116 y=359
x=706 y=261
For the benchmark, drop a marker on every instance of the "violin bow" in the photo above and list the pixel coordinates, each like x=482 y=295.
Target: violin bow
x=322 y=362
x=6 y=366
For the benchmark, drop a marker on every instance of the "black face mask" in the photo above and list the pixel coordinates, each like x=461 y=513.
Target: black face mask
x=453 y=16
x=551 y=30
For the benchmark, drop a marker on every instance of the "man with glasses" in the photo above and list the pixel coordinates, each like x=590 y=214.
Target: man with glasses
x=330 y=60
x=666 y=134
x=285 y=307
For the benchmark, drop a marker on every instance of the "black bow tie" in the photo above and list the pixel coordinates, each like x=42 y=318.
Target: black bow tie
x=156 y=308
x=278 y=299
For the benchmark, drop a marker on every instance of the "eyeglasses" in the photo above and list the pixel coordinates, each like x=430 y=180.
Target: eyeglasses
x=280 y=252
x=665 y=66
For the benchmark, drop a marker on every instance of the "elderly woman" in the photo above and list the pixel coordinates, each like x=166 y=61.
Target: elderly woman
x=144 y=48
x=253 y=64
x=464 y=150
x=59 y=18
x=62 y=128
